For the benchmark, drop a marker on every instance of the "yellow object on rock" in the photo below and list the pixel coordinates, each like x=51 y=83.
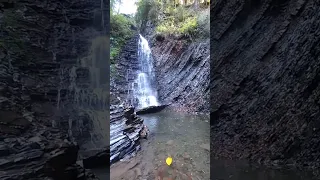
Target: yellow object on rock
x=169 y=160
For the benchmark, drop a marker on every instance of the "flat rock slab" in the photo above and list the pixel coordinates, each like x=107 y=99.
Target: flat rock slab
x=151 y=109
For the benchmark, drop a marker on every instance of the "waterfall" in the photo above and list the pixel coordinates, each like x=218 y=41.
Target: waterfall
x=91 y=98
x=142 y=88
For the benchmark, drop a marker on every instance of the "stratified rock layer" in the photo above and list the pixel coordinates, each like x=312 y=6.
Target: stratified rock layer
x=265 y=88
x=42 y=153
x=45 y=80
x=121 y=81
x=126 y=130
x=182 y=71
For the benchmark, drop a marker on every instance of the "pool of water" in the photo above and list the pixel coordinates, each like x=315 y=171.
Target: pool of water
x=186 y=139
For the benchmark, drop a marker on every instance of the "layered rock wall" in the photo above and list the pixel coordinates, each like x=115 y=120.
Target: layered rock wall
x=265 y=80
x=48 y=83
x=47 y=55
x=182 y=72
x=126 y=62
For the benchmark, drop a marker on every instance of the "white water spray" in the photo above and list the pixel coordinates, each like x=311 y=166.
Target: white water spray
x=142 y=87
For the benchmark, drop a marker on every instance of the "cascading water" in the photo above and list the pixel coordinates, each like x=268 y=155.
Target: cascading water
x=140 y=93
x=90 y=96
x=143 y=91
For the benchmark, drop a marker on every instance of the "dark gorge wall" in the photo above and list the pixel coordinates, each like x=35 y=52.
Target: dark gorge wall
x=53 y=55
x=49 y=56
x=182 y=70
x=265 y=88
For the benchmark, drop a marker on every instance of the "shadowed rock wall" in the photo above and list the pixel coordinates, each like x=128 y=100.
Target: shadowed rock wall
x=265 y=87
x=183 y=72
x=47 y=55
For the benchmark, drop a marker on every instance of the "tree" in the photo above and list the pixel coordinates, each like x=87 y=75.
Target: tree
x=196 y=4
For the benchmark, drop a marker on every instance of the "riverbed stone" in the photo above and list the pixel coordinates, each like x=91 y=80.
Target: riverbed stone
x=205 y=146
x=170 y=142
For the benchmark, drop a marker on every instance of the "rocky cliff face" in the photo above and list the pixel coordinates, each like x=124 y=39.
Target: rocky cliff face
x=50 y=76
x=124 y=75
x=126 y=128
x=182 y=71
x=265 y=82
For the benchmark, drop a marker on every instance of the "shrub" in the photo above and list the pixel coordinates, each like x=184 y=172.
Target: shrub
x=120 y=32
x=203 y=25
x=188 y=26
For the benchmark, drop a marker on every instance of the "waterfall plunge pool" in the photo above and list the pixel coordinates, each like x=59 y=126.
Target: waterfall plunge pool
x=186 y=137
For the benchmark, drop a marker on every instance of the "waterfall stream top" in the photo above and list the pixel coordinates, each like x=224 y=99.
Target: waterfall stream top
x=144 y=44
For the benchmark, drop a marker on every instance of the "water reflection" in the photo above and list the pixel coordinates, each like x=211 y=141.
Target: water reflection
x=185 y=137
x=182 y=136
x=151 y=123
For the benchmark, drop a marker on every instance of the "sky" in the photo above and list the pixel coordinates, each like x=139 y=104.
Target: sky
x=128 y=7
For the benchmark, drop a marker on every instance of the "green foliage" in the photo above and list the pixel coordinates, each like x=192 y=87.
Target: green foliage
x=154 y=11
x=120 y=32
x=147 y=10
x=179 y=21
x=188 y=26
x=203 y=20
x=181 y=14
x=114 y=52
x=143 y=8
x=174 y=17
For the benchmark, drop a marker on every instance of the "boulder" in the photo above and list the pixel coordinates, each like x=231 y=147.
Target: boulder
x=128 y=112
x=97 y=159
x=151 y=109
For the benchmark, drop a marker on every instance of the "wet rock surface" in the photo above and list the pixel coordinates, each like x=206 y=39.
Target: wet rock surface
x=41 y=49
x=151 y=109
x=182 y=73
x=42 y=153
x=121 y=80
x=125 y=134
x=265 y=81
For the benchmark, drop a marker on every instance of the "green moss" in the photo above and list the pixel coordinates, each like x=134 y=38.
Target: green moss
x=120 y=32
